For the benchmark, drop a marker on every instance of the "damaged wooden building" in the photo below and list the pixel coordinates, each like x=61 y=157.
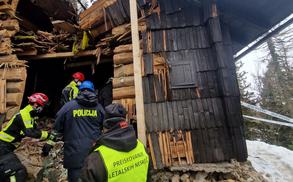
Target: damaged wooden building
x=191 y=97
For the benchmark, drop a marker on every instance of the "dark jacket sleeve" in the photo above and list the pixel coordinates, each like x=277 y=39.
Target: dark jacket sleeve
x=67 y=94
x=94 y=169
x=60 y=118
x=29 y=132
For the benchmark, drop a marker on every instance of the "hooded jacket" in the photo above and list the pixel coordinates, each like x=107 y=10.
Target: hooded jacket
x=121 y=139
x=79 y=121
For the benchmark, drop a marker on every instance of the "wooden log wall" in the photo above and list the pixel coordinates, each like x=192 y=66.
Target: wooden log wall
x=12 y=71
x=190 y=86
x=123 y=81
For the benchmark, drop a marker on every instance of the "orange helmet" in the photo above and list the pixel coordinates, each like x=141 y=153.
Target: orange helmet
x=79 y=76
x=40 y=98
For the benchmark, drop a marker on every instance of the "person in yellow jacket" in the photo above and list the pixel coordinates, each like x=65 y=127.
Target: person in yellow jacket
x=118 y=154
x=23 y=124
x=71 y=90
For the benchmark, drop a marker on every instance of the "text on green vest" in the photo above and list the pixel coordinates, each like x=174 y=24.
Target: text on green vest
x=122 y=166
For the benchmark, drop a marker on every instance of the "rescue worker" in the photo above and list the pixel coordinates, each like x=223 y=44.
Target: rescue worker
x=79 y=122
x=71 y=90
x=118 y=155
x=23 y=124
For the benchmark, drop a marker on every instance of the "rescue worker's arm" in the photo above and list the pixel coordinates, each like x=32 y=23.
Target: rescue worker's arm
x=67 y=94
x=29 y=130
x=57 y=131
x=60 y=118
x=94 y=169
x=102 y=116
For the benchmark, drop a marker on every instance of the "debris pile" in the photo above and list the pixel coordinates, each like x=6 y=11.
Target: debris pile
x=221 y=172
x=30 y=43
x=42 y=168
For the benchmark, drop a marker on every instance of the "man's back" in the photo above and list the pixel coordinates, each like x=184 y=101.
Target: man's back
x=117 y=145
x=69 y=93
x=80 y=121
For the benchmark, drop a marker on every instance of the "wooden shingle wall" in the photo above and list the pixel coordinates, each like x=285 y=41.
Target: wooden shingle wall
x=190 y=86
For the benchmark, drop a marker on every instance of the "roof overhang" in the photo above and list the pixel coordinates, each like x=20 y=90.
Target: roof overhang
x=250 y=19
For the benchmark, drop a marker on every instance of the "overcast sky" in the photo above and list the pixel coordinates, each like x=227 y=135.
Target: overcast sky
x=253 y=63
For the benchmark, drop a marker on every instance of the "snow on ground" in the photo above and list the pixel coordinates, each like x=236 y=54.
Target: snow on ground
x=274 y=162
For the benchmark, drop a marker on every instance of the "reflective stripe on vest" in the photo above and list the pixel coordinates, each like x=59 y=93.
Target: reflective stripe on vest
x=74 y=92
x=27 y=120
x=124 y=166
x=12 y=178
x=26 y=117
x=6 y=137
x=44 y=135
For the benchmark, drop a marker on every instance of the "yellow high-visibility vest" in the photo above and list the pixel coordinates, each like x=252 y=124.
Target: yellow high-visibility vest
x=125 y=166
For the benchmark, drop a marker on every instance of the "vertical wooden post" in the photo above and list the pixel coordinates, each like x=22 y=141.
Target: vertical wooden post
x=141 y=129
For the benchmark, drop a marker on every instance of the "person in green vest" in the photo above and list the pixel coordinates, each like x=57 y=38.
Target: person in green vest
x=71 y=90
x=118 y=155
x=23 y=124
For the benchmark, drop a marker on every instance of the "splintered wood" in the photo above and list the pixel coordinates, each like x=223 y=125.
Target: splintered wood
x=12 y=71
x=175 y=149
x=40 y=42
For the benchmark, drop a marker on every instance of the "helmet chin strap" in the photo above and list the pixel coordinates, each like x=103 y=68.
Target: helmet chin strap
x=38 y=109
x=77 y=81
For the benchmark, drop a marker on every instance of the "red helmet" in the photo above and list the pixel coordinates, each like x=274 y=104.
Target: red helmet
x=39 y=98
x=79 y=76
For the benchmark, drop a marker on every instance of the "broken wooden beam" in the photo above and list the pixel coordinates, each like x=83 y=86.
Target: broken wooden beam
x=61 y=55
x=65 y=26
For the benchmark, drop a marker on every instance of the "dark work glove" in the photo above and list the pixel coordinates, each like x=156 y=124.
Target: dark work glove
x=46 y=149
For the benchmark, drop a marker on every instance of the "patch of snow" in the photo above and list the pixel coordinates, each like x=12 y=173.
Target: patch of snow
x=273 y=162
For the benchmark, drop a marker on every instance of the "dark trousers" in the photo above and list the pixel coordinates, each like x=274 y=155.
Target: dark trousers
x=11 y=168
x=74 y=174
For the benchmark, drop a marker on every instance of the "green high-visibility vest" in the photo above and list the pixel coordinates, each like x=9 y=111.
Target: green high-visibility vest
x=125 y=166
x=74 y=92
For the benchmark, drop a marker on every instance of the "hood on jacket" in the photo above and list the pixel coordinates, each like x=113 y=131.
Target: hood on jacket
x=87 y=98
x=121 y=139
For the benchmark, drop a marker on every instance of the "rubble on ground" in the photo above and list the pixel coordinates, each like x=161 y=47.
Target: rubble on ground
x=221 y=172
x=42 y=169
